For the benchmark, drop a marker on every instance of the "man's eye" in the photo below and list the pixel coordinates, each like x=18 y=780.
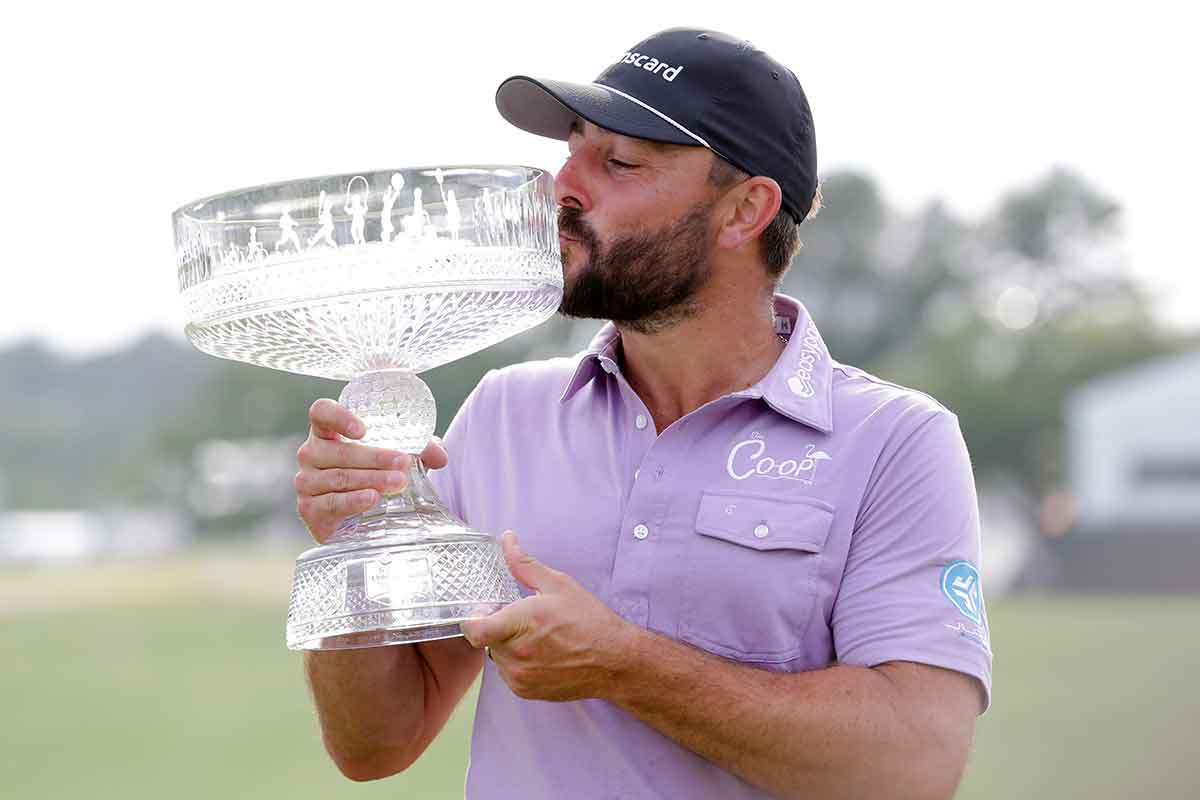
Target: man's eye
x=621 y=164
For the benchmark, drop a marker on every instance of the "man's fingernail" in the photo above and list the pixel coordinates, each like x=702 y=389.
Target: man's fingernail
x=357 y=429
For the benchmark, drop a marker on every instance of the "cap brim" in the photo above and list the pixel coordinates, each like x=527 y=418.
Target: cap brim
x=549 y=108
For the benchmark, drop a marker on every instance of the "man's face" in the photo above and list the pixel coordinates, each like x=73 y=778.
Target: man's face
x=634 y=229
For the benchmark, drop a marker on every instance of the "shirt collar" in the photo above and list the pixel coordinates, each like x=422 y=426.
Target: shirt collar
x=799 y=385
x=599 y=356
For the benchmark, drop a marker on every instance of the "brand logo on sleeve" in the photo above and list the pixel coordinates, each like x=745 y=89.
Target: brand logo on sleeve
x=960 y=583
x=972 y=633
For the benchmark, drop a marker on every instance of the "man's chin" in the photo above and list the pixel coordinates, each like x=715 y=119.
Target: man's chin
x=574 y=270
x=575 y=307
x=566 y=310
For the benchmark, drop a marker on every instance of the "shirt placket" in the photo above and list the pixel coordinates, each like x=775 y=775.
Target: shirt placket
x=642 y=519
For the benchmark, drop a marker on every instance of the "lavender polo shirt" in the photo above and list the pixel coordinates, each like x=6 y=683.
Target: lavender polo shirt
x=820 y=516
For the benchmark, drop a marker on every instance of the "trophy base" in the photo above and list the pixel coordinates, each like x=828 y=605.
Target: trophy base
x=382 y=637
x=406 y=571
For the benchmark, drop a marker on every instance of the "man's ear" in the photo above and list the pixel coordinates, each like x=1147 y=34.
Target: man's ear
x=749 y=209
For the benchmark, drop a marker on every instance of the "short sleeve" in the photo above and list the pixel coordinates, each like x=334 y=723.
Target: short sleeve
x=447 y=482
x=911 y=589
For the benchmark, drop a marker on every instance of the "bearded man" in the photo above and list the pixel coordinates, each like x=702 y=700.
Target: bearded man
x=752 y=570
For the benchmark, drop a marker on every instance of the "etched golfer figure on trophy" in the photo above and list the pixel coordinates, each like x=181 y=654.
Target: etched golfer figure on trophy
x=361 y=304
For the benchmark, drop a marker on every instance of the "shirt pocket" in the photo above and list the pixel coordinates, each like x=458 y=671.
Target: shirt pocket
x=751 y=575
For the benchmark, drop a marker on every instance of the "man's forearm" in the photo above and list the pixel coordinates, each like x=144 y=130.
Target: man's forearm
x=371 y=706
x=380 y=707
x=831 y=733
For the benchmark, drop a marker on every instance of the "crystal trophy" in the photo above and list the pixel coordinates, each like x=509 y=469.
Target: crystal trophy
x=373 y=278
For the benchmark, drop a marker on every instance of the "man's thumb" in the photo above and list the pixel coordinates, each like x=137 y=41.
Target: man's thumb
x=524 y=567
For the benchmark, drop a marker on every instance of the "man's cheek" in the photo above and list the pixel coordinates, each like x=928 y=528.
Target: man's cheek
x=576 y=259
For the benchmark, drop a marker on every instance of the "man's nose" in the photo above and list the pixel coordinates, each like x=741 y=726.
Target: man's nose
x=570 y=185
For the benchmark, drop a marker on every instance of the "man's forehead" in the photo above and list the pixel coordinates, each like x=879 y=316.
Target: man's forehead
x=585 y=128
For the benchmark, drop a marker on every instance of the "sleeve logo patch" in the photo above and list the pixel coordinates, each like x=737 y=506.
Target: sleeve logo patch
x=960 y=583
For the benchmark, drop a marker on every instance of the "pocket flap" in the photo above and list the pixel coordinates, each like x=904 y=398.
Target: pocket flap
x=765 y=523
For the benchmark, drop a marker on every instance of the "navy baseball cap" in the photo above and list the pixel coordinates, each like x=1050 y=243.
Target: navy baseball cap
x=688 y=86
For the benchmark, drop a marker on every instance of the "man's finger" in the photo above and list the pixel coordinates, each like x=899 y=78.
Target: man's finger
x=495 y=628
x=434 y=455
x=329 y=419
x=323 y=454
x=335 y=505
x=323 y=481
x=527 y=569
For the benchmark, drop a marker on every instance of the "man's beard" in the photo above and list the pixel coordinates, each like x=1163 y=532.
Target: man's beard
x=645 y=281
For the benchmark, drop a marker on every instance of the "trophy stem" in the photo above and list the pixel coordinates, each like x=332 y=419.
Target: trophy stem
x=419 y=495
x=406 y=570
x=416 y=506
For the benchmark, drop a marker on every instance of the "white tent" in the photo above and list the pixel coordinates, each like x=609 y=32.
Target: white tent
x=1133 y=443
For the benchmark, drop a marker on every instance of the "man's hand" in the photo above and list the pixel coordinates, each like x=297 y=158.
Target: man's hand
x=561 y=644
x=339 y=478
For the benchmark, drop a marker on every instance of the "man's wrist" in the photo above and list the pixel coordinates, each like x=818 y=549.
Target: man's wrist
x=626 y=658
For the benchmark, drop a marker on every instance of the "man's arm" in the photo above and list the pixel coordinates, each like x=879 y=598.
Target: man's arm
x=898 y=730
x=380 y=707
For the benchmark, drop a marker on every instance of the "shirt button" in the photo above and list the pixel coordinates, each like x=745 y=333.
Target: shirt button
x=640 y=421
x=761 y=531
x=641 y=532
x=608 y=367
x=636 y=472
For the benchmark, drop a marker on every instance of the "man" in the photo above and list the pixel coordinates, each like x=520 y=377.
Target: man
x=752 y=569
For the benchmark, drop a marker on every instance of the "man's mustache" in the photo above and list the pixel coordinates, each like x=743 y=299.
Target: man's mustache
x=571 y=223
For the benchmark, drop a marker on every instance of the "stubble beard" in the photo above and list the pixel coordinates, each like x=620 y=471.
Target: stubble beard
x=646 y=281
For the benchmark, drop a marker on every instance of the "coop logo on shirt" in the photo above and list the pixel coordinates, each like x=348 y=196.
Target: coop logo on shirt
x=960 y=583
x=750 y=459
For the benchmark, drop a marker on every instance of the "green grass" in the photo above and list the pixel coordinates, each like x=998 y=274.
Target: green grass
x=183 y=701
x=199 y=699
x=1093 y=698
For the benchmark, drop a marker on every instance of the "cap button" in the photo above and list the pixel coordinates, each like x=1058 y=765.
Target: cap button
x=702 y=36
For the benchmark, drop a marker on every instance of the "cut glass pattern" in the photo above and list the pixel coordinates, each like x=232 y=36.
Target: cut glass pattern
x=372 y=278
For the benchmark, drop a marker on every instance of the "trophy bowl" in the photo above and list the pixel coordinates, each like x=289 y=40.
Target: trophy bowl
x=372 y=278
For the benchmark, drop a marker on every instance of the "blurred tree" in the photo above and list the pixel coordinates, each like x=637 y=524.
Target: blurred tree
x=999 y=321
x=76 y=427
